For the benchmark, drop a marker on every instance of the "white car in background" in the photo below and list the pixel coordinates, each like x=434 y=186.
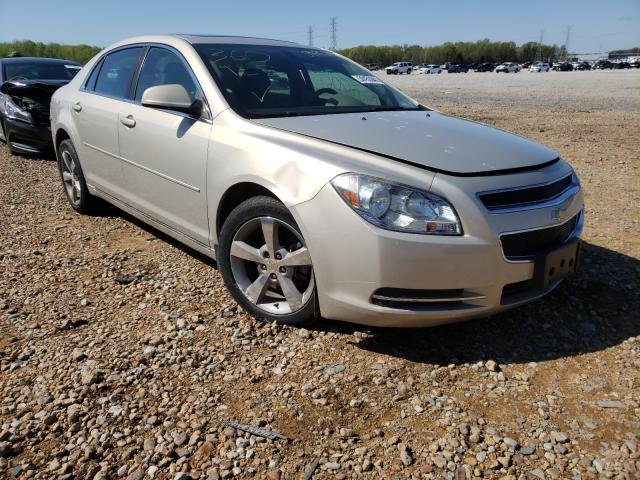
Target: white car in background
x=539 y=67
x=399 y=68
x=430 y=69
x=507 y=67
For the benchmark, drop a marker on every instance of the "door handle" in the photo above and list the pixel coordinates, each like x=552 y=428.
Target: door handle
x=128 y=121
x=77 y=107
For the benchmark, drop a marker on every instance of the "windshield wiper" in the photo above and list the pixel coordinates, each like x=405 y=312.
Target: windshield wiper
x=393 y=109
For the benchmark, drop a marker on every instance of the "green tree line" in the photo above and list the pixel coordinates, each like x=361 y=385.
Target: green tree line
x=458 y=52
x=27 y=48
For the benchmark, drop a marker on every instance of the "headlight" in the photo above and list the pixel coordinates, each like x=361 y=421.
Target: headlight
x=13 y=111
x=397 y=207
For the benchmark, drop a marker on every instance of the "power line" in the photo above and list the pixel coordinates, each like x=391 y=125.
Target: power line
x=310 y=35
x=334 y=33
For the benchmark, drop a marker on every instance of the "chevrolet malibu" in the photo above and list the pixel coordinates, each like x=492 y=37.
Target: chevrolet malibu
x=319 y=189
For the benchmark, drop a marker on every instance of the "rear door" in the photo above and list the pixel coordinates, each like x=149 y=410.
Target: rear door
x=164 y=153
x=95 y=112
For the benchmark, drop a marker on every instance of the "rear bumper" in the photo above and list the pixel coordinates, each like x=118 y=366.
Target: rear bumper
x=362 y=271
x=27 y=138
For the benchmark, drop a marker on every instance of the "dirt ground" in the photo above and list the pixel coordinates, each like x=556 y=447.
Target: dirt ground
x=104 y=380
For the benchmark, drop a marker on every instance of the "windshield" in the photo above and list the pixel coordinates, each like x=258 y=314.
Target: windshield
x=40 y=70
x=271 y=81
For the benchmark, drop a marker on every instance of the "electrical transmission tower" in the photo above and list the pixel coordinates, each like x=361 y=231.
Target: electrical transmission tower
x=539 y=52
x=310 y=33
x=334 y=33
x=566 y=43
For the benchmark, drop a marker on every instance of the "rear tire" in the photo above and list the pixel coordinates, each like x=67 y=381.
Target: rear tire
x=73 y=182
x=265 y=263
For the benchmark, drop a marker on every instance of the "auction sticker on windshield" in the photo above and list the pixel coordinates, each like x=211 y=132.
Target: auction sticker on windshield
x=366 y=79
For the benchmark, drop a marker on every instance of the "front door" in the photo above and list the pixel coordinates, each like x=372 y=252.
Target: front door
x=164 y=153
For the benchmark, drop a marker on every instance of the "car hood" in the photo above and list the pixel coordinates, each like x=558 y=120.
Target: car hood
x=425 y=139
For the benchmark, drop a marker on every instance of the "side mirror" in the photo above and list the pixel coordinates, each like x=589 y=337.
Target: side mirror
x=171 y=97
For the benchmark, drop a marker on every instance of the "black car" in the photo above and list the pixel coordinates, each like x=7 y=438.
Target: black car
x=26 y=87
x=582 y=66
x=619 y=65
x=602 y=65
x=454 y=68
x=562 y=67
x=485 y=67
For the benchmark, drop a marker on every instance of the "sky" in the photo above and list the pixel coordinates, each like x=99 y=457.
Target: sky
x=596 y=25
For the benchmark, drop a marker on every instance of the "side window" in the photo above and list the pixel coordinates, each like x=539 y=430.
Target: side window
x=116 y=71
x=163 y=67
x=90 y=83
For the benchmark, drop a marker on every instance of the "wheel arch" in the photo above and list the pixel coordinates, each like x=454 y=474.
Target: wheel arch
x=60 y=136
x=235 y=195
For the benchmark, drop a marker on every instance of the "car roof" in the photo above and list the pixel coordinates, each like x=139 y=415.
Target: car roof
x=233 y=39
x=38 y=59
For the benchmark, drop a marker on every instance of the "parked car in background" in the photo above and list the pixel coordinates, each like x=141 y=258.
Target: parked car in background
x=372 y=66
x=562 y=67
x=622 y=64
x=428 y=69
x=539 y=67
x=485 y=67
x=635 y=62
x=507 y=67
x=526 y=65
x=602 y=65
x=308 y=210
x=399 y=68
x=456 y=68
x=26 y=86
x=581 y=66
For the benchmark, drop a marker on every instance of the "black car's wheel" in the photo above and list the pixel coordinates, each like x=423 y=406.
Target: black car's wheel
x=265 y=263
x=75 y=186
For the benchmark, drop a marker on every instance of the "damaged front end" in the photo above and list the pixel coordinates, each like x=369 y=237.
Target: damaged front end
x=29 y=100
x=25 y=107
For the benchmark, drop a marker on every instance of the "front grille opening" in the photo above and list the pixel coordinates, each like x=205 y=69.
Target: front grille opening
x=517 y=246
x=525 y=196
x=411 y=299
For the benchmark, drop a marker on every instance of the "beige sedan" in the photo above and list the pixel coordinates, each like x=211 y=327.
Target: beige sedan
x=319 y=189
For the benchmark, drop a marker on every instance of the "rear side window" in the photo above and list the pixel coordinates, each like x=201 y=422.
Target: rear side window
x=115 y=74
x=163 y=67
x=91 y=81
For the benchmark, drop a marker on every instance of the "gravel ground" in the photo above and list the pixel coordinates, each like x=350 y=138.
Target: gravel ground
x=100 y=378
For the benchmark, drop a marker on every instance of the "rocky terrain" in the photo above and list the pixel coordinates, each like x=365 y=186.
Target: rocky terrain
x=122 y=355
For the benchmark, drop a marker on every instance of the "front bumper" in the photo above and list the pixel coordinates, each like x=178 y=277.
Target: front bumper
x=356 y=263
x=28 y=138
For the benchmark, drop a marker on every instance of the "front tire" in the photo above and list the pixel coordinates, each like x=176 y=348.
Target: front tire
x=75 y=186
x=265 y=263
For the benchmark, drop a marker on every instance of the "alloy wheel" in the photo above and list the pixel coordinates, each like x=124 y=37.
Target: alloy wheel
x=70 y=178
x=271 y=265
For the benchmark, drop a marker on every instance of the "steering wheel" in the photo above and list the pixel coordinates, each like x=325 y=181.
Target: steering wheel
x=330 y=91
x=18 y=77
